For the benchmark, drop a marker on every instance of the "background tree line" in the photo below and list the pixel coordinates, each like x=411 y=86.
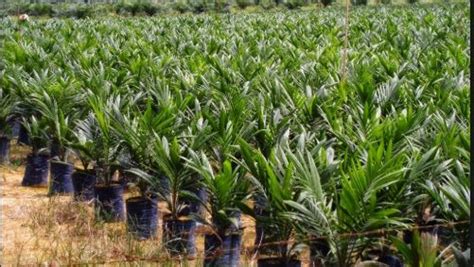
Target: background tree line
x=90 y=8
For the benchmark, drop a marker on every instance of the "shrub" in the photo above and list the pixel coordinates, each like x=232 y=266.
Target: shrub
x=102 y=9
x=40 y=10
x=294 y=4
x=14 y=10
x=83 y=11
x=134 y=8
x=144 y=7
x=149 y=8
x=79 y=11
x=120 y=8
x=326 y=2
x=181 y=7
x=200 y=6
x=221 y=6
x=242 y=4
x=267 y=4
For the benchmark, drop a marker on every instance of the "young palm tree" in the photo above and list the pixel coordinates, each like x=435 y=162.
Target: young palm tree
x=168 y=177
x=229 y=191
x=55 y=103
x=451 y=196
x=101 y=146
x=274 y=183
x=357 y=207
x=159 y=168
x=37 y=167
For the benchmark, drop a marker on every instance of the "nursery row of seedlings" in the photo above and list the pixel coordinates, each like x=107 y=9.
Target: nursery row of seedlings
x=253 y=108
x=222 y=247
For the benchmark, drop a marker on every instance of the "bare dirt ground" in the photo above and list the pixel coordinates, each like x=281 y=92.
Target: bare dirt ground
x=55 y=231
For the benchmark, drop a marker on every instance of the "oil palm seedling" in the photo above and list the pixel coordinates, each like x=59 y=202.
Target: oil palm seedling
x=179 y=229
x=451 y=197
x=381 y=171
x=198 y=133
x=193 y=199
x=161 y=172
x=168 y=163
x=274 y=183
x=102 y=147
x=311 y=215
x=84 y=177
x=139 y=133
x=228 y=191
x=55 y=104
x=37 y=165
x=351 y=210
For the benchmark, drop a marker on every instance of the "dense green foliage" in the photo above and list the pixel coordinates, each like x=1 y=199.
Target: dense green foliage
x=266 y=90
x=140 y=8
